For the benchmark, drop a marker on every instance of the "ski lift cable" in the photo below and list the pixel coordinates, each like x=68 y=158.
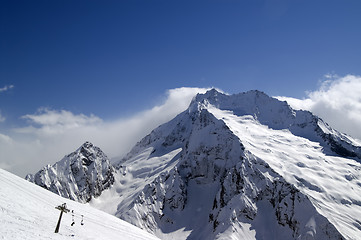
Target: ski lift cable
x=119 y=228
x=85 y=218
x=72 y=218
x=97 y=222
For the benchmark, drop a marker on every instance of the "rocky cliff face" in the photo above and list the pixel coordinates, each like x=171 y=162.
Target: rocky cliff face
x=79 y=176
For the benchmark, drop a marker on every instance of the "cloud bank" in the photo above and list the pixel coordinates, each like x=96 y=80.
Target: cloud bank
x=50 y=134
x=337 y=101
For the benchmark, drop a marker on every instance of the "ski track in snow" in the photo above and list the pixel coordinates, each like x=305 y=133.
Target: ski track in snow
x=329 y=181
x=27 y=211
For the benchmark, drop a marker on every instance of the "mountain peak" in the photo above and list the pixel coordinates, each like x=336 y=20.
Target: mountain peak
x=80 y=175
x=278 y=115
x=215 y=170
x=87 y=147
x=241 y=100
x=267 y=110
x=87 y=144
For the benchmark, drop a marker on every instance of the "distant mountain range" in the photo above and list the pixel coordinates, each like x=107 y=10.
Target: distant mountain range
x=243 y=166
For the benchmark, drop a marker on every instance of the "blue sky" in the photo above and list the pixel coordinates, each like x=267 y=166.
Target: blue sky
x=101 y=61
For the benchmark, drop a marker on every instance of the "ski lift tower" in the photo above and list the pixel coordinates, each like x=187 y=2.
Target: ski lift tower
x=62 y=209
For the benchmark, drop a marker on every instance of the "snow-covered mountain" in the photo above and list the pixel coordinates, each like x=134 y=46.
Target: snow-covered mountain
x=28 y=212
x=244 y=166
x=79 y=176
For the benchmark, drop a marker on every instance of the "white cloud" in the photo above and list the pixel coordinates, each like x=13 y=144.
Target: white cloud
x=57 y=121
x=51 y=134
x=338 y=102
x=6 y=88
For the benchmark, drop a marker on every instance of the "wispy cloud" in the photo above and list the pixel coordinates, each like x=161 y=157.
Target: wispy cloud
x=6 y=88
x=50 y=134
x=337 y=101
x=50 y=121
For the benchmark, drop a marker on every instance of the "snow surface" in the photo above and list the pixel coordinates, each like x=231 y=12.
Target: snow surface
x=27 y=211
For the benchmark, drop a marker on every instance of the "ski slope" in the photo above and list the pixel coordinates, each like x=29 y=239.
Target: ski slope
x=27 y=211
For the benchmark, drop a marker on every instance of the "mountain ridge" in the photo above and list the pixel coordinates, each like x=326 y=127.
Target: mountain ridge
x=282 y=117
x=252 y=162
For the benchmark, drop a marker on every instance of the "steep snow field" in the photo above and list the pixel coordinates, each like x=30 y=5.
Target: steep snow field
x=27 y=211
x=132 y=178
x=332 y=183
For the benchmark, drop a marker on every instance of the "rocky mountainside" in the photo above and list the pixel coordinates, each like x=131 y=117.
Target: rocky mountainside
x=213 y=184
x=79 y=176
x=244 y=166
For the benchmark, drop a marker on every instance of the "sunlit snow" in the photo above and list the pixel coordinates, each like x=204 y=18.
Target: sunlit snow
x=331 y=182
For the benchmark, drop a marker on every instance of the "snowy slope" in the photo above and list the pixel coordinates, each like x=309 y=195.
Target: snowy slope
x=332 y=183
x=28 y=211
